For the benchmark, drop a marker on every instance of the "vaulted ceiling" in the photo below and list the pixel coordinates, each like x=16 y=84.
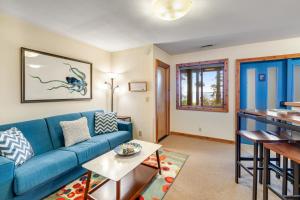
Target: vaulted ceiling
x=120 y=24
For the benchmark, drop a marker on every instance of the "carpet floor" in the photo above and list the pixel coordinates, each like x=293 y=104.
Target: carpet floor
x=171 y=164
x=208 y=174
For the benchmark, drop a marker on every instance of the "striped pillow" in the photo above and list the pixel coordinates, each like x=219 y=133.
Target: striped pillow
x=14 y=146
x=105 y=122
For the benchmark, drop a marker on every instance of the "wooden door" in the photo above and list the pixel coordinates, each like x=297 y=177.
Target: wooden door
x=162 y=99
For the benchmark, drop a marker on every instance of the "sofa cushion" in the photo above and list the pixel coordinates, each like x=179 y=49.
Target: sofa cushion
x=36 y=132
x=88 y=150
x=117 y=138
x=43 y=168
x=90 y=115
x=55 y=129
x=100 y=139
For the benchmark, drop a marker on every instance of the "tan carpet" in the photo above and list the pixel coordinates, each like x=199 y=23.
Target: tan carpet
x=208 y=173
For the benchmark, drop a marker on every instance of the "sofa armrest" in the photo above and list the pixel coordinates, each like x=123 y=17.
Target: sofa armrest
x=7 y=169
x=125 y=126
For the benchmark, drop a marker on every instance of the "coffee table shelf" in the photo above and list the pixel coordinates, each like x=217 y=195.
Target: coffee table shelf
x=130 y=186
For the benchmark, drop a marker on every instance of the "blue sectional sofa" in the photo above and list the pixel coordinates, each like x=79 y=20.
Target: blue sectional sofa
x=54 y=165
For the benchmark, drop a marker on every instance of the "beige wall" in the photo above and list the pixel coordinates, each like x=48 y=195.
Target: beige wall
x=15 y=33
x=161 y=55
x=221 y=125
x=136 y=65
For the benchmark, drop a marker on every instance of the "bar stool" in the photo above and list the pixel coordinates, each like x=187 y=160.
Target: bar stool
x=288 y=151
x=258 y=138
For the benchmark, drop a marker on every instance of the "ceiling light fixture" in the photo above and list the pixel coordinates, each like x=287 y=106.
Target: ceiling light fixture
x=171 y=9
x=34 y=66
x=30 y=54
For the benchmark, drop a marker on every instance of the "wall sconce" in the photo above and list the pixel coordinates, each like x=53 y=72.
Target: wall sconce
x=112 y=76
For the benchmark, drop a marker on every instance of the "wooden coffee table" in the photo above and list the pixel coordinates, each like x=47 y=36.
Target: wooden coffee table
x=126 y=177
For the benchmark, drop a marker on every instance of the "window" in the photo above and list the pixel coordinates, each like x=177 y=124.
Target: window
x=203 y=86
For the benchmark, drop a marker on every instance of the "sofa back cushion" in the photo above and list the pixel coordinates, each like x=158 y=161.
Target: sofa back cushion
x=90 y=115
x=55 y=129
x=36 y=132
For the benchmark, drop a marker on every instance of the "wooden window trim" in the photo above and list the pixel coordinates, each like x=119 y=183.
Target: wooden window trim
x=202 y=108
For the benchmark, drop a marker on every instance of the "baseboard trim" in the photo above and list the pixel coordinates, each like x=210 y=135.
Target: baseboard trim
x=203 y=137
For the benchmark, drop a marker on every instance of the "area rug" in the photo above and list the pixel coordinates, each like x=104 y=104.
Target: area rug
x=171 y=164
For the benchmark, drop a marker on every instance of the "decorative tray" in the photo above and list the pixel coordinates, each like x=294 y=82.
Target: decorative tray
x=128 y=149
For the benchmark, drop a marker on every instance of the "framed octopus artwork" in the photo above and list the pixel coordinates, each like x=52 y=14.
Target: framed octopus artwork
x=48 y=78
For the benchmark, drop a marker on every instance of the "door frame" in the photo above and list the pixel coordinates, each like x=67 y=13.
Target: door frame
x=237 y=75
x=166 y=66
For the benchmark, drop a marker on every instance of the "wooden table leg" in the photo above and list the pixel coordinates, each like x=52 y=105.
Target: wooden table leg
x=236 y=159
x=261 y=152
x=278 y=164
x=266 y=174
x=237 y=150
x=158 y=161
x=87 y=185
x=118 y=190
x=296 y=189
x=254 y=185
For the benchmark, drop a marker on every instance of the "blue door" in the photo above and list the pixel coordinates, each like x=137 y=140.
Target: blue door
x=293 y=81
x=263 y=86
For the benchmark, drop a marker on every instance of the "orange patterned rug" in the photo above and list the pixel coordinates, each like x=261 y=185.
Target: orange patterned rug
x=171 y=164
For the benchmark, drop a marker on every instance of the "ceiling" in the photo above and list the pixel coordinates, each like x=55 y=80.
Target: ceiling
x=121 y=24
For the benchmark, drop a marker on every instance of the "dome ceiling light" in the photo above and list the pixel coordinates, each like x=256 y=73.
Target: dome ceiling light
x=171 y=9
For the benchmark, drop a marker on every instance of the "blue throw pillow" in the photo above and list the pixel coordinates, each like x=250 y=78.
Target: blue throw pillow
x=14 y=146
x=106 y=122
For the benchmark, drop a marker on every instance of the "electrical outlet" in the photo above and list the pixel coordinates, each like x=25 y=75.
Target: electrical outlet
x=140 y=134
x=200 y=129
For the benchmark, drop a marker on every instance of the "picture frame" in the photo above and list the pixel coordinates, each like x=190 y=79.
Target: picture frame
x=261 y=77
x=47 y=77
x=138 y=86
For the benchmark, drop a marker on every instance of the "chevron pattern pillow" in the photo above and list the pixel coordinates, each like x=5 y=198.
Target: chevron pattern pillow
x=14 y=146
x=106 y=122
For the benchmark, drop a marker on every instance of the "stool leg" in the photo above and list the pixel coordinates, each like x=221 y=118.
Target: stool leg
x=254 y=189
x=296 y=179
x=266 y=173
x=278 y=164
x=237 y=157
x=260 y=161
x=284 y=177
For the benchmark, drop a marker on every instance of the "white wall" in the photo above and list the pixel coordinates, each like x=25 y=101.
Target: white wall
x=136 y=65
x=221 y=125
x=15 y=33
x=161 y=55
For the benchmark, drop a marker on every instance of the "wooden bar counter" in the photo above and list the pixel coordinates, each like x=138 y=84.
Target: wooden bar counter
x=289 y=116
x=292 y=104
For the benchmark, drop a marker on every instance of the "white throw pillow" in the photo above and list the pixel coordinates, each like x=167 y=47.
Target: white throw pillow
x=75 y=131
